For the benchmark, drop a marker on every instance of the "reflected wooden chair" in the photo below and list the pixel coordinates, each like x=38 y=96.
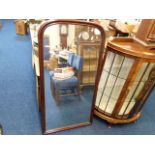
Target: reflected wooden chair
x=69 y=63
x=70 y=86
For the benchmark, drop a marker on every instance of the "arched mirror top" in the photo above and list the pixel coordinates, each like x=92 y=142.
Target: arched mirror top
x=69 y=55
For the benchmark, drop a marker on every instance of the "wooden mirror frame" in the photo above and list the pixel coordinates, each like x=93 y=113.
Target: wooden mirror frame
x=41 y=30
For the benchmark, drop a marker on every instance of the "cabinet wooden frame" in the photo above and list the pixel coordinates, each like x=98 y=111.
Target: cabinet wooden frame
x=42 y=28
x=140 y=56
x=146 y=33
x=146 y=30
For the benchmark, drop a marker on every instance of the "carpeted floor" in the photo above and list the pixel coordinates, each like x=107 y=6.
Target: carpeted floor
x=18 y=107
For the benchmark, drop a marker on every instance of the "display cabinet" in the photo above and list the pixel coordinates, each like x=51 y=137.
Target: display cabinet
x=125 y=79
x=90 y=53
x=88 y=45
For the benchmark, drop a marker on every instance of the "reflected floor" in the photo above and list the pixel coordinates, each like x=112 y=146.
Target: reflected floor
x=71 y=109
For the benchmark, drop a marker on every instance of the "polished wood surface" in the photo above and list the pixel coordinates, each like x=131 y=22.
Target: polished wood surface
x=131 y=47
x=67 y=128
x=112 y=120
x=146 y=31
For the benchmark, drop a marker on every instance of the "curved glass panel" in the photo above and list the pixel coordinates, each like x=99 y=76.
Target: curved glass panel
x=113 y=78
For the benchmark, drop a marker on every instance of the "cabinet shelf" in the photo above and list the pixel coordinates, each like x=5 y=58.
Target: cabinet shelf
x=89 y=69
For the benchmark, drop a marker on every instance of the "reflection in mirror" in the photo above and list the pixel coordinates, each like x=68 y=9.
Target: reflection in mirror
x=71 y=54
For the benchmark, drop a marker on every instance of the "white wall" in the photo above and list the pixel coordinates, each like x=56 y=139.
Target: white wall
x=53 y=32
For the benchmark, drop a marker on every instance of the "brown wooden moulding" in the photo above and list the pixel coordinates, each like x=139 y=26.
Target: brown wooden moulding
x=41 y=81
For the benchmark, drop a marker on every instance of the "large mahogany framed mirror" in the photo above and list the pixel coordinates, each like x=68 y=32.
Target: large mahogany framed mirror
x=69 y=55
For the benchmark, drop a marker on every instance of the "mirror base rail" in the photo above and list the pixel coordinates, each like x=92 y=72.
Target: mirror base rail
x=49 y=131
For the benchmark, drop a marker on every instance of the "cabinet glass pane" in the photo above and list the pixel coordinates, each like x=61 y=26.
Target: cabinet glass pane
x=85 y=77
x=99 y=95
x=126 y=107
x=103 y=79
x=110 y=106
x=109 y=60
x=150 y=67
x=117 y=64
x=90 y=52
x=132 y=91
x=90 y=65
x=131 y=97
x=109 y=85
x=136 y=88
x=117 y=88
x=113 y=78
x=86 y=53
x=94 y=53
x=140 y=87
x=141 y=71
x=129 y=107
x=111 y=93
x=126 y=67
x=103 y=102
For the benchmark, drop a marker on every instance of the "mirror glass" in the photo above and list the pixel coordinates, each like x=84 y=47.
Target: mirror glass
x=71 y=55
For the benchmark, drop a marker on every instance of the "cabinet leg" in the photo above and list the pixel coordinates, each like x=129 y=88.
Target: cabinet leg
x=109 y=125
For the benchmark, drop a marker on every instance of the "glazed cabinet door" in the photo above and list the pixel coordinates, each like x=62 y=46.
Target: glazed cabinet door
x=124 y=85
